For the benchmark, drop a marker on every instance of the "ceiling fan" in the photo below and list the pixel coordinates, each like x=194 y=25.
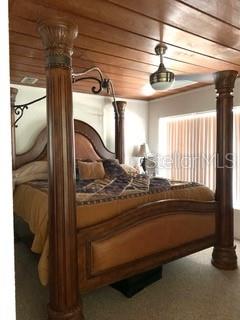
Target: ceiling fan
x=162 y=79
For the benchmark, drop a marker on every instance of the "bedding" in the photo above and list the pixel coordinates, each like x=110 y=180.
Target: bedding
x=36 y=170
x=96 y=202
x=90 y=170
x=90 y=191
x=130 y=170
x=113 y=168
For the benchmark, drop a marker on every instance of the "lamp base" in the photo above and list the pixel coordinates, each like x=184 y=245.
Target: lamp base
x=143 y=164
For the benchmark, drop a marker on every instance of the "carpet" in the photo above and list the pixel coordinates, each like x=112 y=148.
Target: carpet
x=191 y=289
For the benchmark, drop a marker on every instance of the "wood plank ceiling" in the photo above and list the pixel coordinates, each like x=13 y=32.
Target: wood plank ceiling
x=119 y=36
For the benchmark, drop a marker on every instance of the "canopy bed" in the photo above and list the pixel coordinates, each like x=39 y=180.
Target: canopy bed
x=89 y=250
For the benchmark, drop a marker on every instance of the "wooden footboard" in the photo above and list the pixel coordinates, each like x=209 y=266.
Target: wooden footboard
x=142 y=239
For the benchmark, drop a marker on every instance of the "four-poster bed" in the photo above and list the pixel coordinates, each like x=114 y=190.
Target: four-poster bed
x=107 y=251
x=127 y=225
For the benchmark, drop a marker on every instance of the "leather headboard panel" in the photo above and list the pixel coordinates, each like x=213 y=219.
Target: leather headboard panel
x=84 y=149
x=88 y=145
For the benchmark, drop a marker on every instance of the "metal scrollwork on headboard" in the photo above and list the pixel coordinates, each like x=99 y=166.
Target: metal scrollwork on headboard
x=76 y=77
x=19 y=109
x=103 y=84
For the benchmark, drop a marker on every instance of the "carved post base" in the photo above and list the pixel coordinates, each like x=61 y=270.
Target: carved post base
x=75 y=314
x=224 y=258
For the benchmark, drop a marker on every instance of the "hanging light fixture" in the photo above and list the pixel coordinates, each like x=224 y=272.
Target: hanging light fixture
x=162 y=79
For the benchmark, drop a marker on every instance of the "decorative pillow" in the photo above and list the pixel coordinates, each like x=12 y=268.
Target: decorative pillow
x=113 y=168
x=36 y=170
x=131 y=171
x=90 y=170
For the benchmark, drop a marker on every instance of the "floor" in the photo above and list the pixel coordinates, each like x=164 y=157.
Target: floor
x=191 y=289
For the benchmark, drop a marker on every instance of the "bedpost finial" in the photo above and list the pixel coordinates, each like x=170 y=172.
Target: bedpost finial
x=225 y=80
x=58 y=35
x=119 y=107
x=13 y=94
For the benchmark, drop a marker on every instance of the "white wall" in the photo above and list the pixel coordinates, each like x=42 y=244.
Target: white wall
x=198 y=100
x=33 y=120
x=93 y=109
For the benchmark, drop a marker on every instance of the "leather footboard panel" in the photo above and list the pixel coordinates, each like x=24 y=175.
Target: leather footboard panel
x=150 y=237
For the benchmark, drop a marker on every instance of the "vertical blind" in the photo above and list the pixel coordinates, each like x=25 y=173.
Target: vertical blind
x=191 y=148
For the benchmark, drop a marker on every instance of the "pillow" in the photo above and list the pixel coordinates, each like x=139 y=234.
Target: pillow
x=113 y=168
x=36 y=170
x=131 y=171
x=90 y=170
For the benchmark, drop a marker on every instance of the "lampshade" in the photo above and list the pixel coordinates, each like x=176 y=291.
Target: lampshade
x=143 y=150
x=162 y=79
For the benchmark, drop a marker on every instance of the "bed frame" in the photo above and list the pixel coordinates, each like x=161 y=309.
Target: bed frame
x=72 y=260
x=120 y=232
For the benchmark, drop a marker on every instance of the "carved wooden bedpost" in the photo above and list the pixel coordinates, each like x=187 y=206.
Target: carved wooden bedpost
x=224 y=255
x=57 y=36
x=13 y=94
x=119 y=109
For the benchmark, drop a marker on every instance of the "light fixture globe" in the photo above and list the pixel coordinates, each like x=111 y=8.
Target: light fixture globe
x=162 y=79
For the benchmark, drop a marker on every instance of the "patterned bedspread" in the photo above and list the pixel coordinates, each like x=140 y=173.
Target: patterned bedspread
x=121 y=187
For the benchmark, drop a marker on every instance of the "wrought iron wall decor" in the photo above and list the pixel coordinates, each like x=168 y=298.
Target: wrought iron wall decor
x=102 y=84
x=20 y=108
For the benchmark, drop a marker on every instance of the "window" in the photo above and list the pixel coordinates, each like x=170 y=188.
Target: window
x=187 y=149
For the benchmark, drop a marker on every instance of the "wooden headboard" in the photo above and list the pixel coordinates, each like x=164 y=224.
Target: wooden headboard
x=88 y=145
